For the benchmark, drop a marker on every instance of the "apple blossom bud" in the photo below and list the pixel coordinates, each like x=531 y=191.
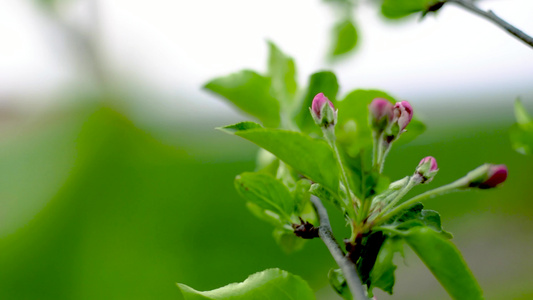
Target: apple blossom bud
x=380 y=114
x=487 y=176
x=427 y=169
x=402 y=113
x=318 y=102
x=430 y=162
x=496 y=175
x=323 y=111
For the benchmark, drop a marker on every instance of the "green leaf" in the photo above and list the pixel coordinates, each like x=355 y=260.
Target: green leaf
x=287 y=240
x=380 y=184
x=521 y=133
x=323 y=194
x=265 y=191
x=265 y=215
x=366 y=181
x=310 y=157
x=374 y=183
x=338 y=282
x=522 y=117
x=302 y=199
x=522 y=138
x=359 y=168
x=266 y=162
x=431 y=219
x=395 y=9
x=273 y=284
x=345 y=37
x=382 y=274
x=250 y=92
x=308 y=213
x=301 y=195
x=282 y=71
x=239 y=126
x=445 y=262
x=321 y=82
x=372 y=243
x=416 y=216
x=287 y=175
x=353 y=131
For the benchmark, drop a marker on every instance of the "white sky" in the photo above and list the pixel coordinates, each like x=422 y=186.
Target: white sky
x=172 y=47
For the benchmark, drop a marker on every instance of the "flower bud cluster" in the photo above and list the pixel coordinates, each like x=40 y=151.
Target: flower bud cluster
x=388 y=122
x=389 y=119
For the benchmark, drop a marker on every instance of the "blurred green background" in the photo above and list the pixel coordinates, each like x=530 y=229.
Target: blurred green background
x=97 y=206
x=102 y=199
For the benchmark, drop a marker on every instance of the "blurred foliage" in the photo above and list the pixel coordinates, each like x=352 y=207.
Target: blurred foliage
x=344 y=37
x=136 y=215
x=47 y=3
x=132 y=219
x=130 y=215
x=445 y=262
x=344 y=33
x=522 y=132
x=282 y=71
x=396 y=9
x=240 y=88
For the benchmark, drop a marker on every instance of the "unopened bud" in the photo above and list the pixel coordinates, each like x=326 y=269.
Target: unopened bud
x=402 y=114
x=427 y=169
x=323 y=111
x=399 y=184
x=487 y=176
x=380 y=114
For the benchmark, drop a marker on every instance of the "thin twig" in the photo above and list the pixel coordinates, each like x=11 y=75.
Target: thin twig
x=347 y=266
x=451 y=187
x=489 y=15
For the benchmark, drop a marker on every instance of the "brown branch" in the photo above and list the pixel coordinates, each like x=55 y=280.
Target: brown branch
x=347 y=266
x=491 y=16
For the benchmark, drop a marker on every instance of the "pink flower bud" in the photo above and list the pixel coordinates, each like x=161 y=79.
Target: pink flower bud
x=323 y=112
x=496 y=174
x=427 y=169
x=380 y=113
x=486 y=176
x=432 y=165
x=318 y=103
x=380 y=108
x=403 y=113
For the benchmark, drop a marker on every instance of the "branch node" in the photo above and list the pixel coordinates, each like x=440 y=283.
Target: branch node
x=305 y=230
